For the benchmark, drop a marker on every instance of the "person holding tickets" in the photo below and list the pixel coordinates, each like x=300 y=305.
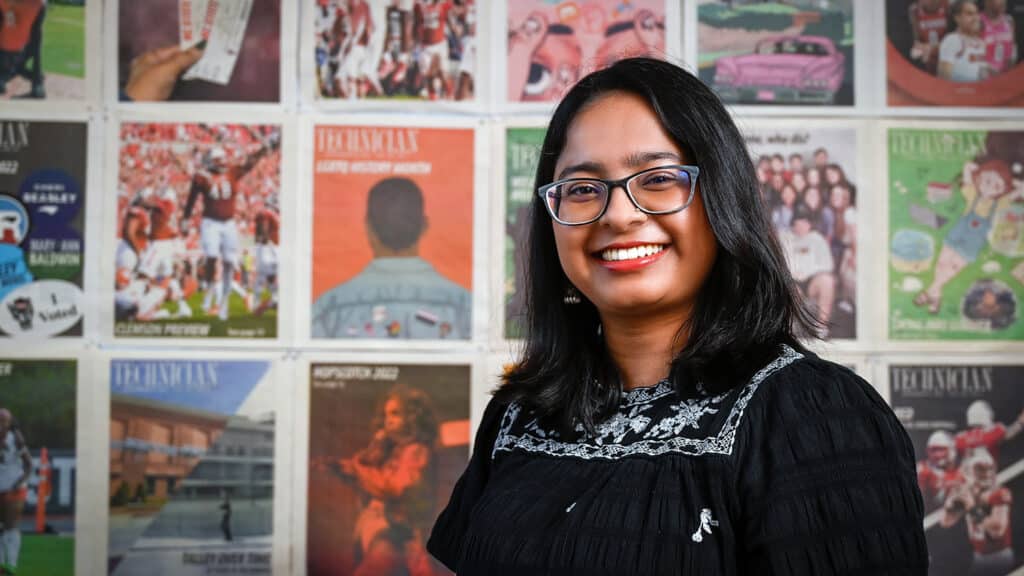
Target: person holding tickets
x=663 y=417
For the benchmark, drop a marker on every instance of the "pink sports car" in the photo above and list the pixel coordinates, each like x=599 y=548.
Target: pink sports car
x=783 y=69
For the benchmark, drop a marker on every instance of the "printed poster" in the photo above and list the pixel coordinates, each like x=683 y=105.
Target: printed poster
x=407 y=50
x=956 y=234
x=796 y=52
x=944 y=53
x=522 y=152
x=552 y=44
x=42 y=228
x=392 y=232
x=965 y=423
x=37 y=439
x=199 y=50
x=808 y=179
x=191 y=467
x=42 y=50
x=198 y=230
x=406 y=425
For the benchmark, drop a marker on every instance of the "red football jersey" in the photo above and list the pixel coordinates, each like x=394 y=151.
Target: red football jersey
x=936 y=483
x=980 y=541
x=432 y=19
x=988 y=438
x=268 y=227
x=219 y=194
x=16 y=19
x=163 y=218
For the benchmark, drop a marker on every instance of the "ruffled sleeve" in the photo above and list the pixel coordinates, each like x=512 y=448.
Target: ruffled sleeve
x=825 y=479
x=446 y=538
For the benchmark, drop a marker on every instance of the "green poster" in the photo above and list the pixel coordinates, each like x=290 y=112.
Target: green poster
x=522 y=148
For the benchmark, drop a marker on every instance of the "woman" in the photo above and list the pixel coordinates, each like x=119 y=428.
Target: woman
x=663 y=418
x=15 y=468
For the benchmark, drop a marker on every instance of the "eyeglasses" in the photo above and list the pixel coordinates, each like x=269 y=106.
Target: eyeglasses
x=661 y=190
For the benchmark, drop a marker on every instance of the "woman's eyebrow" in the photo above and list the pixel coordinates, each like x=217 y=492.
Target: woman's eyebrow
x=634 y=160
x=586 y=166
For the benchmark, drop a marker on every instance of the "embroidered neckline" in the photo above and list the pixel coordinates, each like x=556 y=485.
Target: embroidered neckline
x=645 y=394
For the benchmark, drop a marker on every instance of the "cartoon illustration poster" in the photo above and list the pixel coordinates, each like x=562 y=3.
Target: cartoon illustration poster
x=199 y=50
x=808 y=179
x=963 y=53
x=965 y=423
x=37 y=466
x=552 y=43
x=956 y=234
x=198 y=230
x=191 y=467
x=798 y=52
x=404 y=425
x=400 y=50
x=392 y=232
x=42 y=228
x=522 y=150
x=42 y=50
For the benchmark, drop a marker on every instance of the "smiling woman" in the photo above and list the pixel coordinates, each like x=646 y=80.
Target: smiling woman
x=663 y=417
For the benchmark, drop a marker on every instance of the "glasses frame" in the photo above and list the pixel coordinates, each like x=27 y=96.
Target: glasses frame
x=623 y=183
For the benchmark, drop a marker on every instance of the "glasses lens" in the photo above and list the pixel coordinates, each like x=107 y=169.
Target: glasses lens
x=662 y=190
x=577 y=201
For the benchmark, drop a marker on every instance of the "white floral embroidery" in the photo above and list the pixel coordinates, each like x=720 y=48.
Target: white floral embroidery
x=687 y=415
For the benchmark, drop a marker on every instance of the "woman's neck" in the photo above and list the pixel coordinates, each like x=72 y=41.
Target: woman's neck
x=643 y=349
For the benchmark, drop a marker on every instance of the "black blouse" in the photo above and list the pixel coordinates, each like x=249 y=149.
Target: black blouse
x=803 y=470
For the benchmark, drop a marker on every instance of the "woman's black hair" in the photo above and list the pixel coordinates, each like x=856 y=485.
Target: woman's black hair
x=747 y=306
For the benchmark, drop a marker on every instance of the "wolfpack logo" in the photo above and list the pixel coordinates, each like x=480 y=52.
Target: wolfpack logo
x=706 y=522
x=14 y=220
x=22 y=311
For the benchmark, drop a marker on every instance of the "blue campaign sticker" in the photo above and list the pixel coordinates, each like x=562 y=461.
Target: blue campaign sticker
x=53 y=199
x=13 y=270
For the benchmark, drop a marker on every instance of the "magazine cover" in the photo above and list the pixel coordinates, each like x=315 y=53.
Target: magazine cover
x=392 y=232
x=199 y=50
x=808 y=179
x=522 y=150
x=191 y=467
x=403 y=50
x=965 y=423
x=387 y=443
x=198 y=230
x=42 y=228
x=554 y=43
x=955 y=53
x=796 y=52
x=956 y=234
x=42 y=49
x=37 y=466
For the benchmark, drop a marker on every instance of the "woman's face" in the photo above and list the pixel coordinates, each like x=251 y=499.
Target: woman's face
x=833 y=176
x=788 y=195
x=813 y=177
x=812 y=198
x=614 y=137
x=799 y=182
x=394 y=416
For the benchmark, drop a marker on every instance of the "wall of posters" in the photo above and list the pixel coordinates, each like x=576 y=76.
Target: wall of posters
x=965 y=422
x=809 y=181
x=42 y=228
x=42 y=50
x=38 y=414
x=956 y=234
x=551 y=45
x=778 y=52
x=198 y=227
x=191 y=467
x=226 y=50
x=392 y=232
x=407 y=425
x=942 y=53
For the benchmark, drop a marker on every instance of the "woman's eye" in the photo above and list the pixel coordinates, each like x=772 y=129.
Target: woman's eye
x=580 y=191
x=659 y=180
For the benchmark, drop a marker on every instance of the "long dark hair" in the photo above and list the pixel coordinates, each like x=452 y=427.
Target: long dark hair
x=747 y=306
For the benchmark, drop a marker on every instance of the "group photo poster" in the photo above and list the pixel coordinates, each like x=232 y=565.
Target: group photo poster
x=956 y=233
x=393 y=216
x=778 y=53
x=553 y=43
x=194 y=251
x=45 y=51
x=376 y=423
x=199 y=50
x=43 y=191
x=195 y=455
x=38 y=465
x=808 y=179
x=955 y=53
x=965 y=421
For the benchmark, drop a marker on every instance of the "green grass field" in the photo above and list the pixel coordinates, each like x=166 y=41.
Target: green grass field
x=263 y=326
x=64 y=40
x=46 y=556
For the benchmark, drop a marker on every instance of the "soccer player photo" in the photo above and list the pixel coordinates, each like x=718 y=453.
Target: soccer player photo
x=198 y=227
x=392 y=233
x=191 y=467
x=199 y=50
x=397 y=49
x=552 y=45
x=956 y=234
x=42 y=50
x=42 y=228
x=786 y=53
x=386 y=445
x=965 y=422
x=955 y=52
x=522 y=149
x=37 y=466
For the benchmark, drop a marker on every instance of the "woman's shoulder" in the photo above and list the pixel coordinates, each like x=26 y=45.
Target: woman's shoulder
x=808 y=383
